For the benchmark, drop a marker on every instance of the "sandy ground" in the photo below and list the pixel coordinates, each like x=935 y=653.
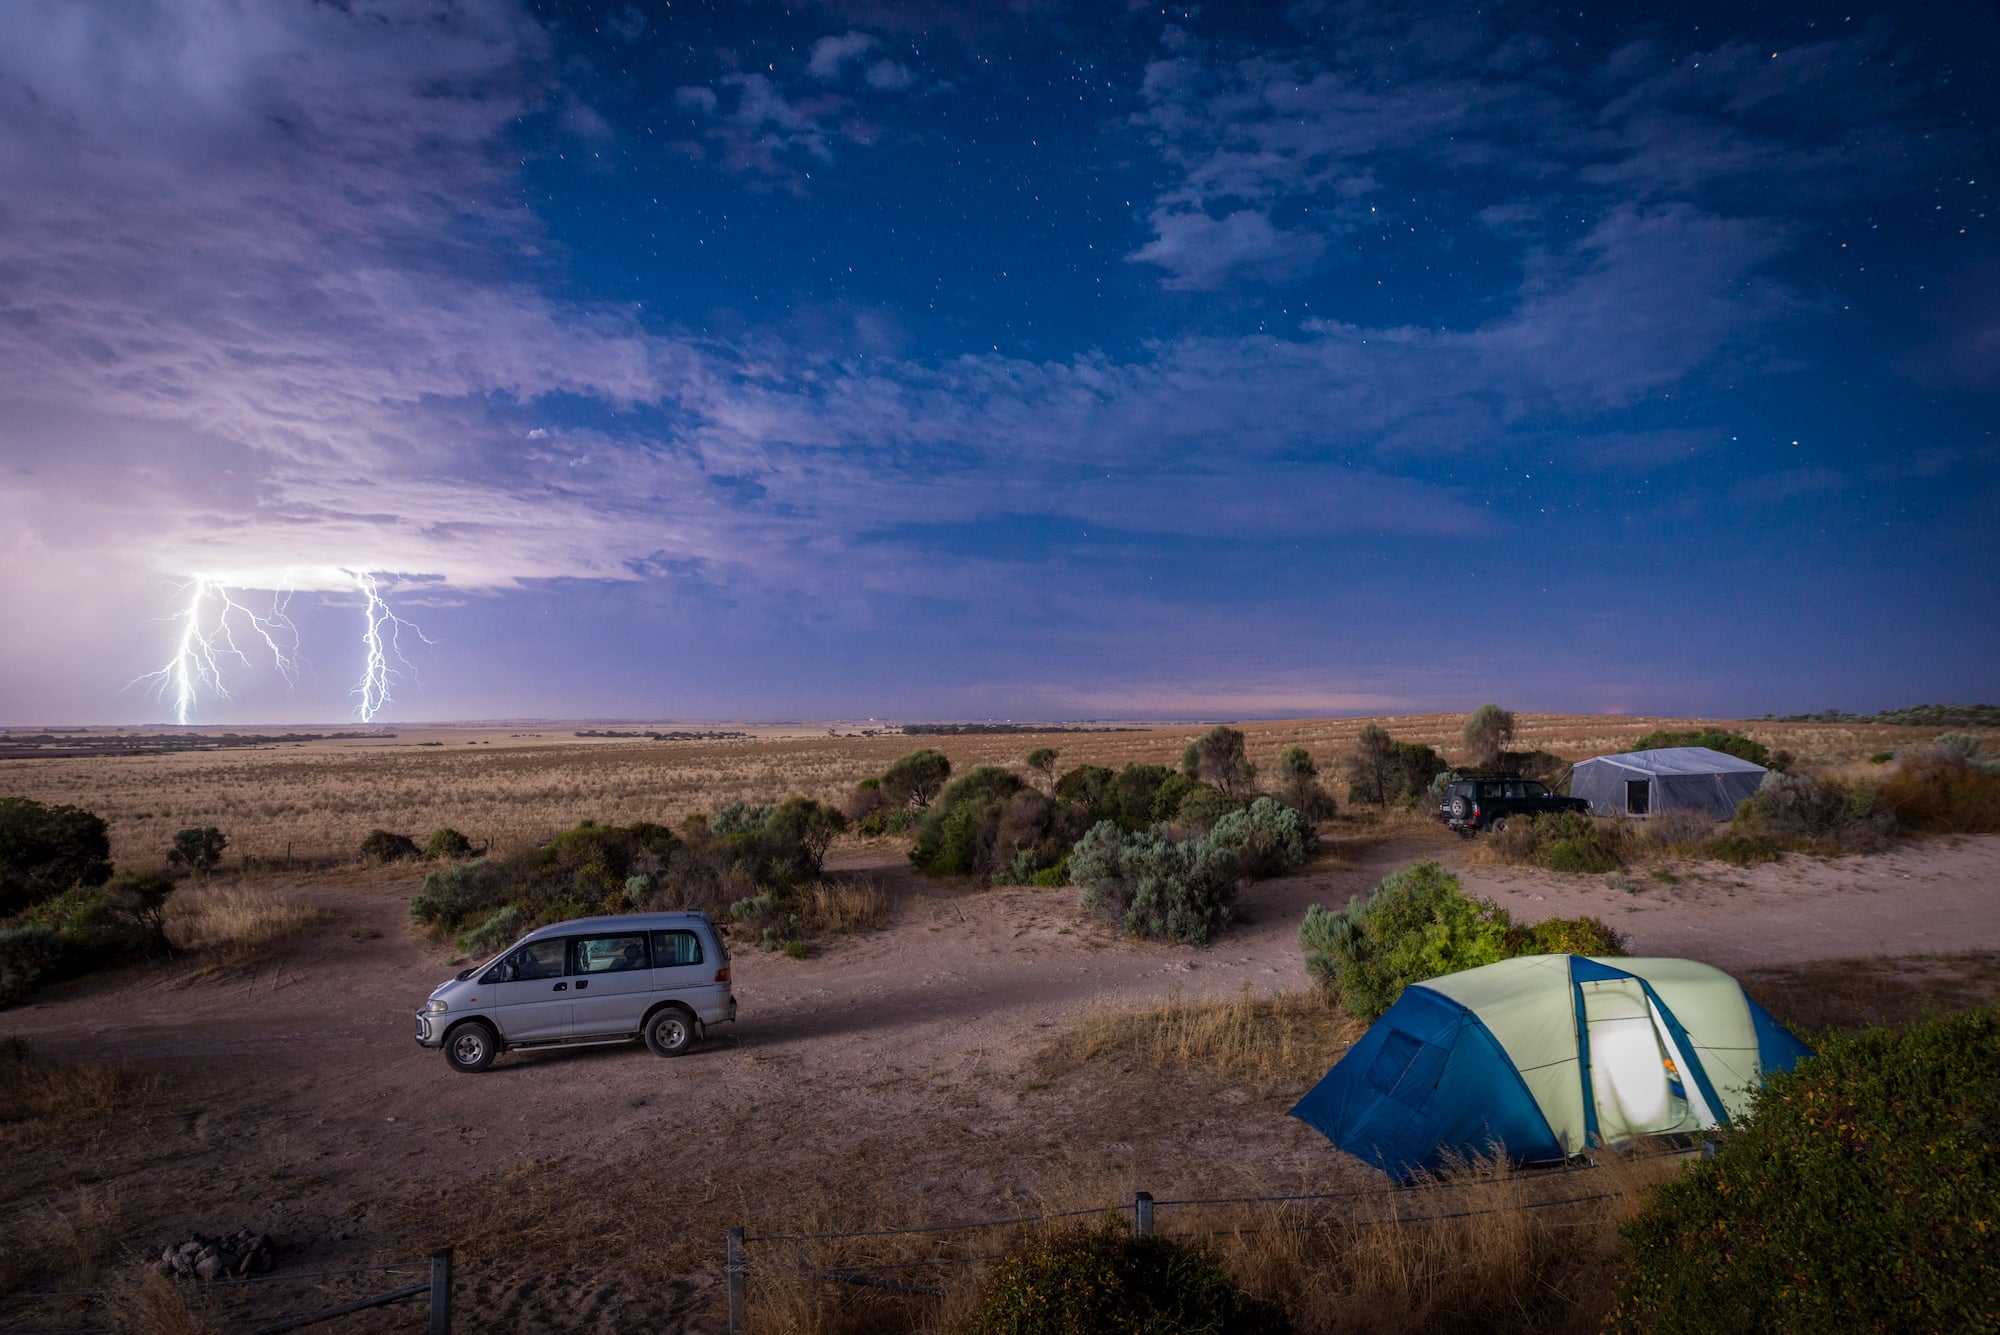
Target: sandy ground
x=313 y=1115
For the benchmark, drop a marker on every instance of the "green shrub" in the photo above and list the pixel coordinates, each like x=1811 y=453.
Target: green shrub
x=198 y=849
x=1563 y=841
x=1382 y=770
x=1744 y=850
x=1881 y=757
x=1863 y=1193
x=1267 y=838
x=798 y=832
x=1801 y=810
x=960 y=833
x=448 y=845
x=1051 y=877
x=916 y=779
x=740 y=818
x=489 y=937
x=45 y=850
x=1203 y=806
x=1153 y=885
x=1571 y=936
x=796 y=950
x=28 y=956
x=448 y=897
x=388 y=846
x=1108 y=1281
x=1715 y=739
x=1299 y=786
x=110 y=924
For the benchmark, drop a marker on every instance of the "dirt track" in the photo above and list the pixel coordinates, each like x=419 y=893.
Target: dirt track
x=897 y=1056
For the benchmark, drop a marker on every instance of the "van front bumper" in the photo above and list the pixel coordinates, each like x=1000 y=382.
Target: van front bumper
x=428 y=1035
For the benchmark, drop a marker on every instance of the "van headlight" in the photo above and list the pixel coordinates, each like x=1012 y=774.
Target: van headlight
x=435 y=1007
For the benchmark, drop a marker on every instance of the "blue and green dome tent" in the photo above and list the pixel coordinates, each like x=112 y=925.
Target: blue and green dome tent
x=1543 y=1056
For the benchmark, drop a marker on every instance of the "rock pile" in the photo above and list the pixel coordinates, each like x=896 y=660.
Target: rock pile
x=207 y=1258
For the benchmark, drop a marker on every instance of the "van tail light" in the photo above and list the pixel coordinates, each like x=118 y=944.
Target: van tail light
x=722 y=974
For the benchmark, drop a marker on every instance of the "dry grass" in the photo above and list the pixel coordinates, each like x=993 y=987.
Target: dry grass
x=322 y=798
x=1286 y=1040
x=1821 y=996
x=140 y=1300
x=66 y=1243
x=838 y=907
x=43 y=1103
x=234 y=925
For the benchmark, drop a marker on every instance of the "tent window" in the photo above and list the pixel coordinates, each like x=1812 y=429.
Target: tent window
x=1390 y=1064
x=1638 y=796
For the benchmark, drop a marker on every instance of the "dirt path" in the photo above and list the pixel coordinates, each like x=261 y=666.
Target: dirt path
x=315 y=1113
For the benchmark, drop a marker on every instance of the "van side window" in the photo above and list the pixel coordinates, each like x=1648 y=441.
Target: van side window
x=537 y=959
x=675 y=948
x=611 y=954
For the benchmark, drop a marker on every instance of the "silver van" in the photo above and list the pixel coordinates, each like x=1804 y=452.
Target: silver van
x=661 y=977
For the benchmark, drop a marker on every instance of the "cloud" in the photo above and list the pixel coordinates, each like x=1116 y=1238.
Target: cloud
x=831 y=54
x=888 y=76
x=1201 y=253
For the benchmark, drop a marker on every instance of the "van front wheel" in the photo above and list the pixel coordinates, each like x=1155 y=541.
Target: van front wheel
x=470 y=1048
x=669 y=1032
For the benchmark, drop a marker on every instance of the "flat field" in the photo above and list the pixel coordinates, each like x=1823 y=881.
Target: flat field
x=986 y=1052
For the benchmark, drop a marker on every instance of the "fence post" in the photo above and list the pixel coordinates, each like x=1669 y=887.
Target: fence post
x=441 y=1291
x=733 y=1271
x=1142 y=1213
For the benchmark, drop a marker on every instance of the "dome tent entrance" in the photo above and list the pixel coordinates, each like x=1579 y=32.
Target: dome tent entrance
x=1672 y=778
x=1543 y=1056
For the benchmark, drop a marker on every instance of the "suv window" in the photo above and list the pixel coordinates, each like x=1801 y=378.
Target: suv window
x=611 y=954
x=671 y=949
x=537 y=959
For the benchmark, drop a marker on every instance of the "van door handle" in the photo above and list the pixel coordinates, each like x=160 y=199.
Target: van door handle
x=560 y=987
x=582 y=983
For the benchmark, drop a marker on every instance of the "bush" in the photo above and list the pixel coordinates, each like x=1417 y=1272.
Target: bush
x=1563 y=841
x=799 y=831
x=387 y=846
x=1299 y=785
x=1419 y=923
x=1743 y=850
x=1111 y=1282
x=198 y=849
x=580 y=871
x=1153 y=885
x=492 y=935
x=448 y=845
x=105 y=925
x=1799 y=809
x=1939 y=791
x=1678 y=831
x=1383 y=770
x=1487 y=729
x=45 y=850
x=1217 y=757
x=28 y=956
x=1715 y=739
x=916 y=779
x=1267 y=838
x=960 y=835
x=1202 y=806
x=1862 y=1194
x=740 y=818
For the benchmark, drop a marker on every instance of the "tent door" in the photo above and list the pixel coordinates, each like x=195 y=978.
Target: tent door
x=1638 y=796
x=1639 y=1089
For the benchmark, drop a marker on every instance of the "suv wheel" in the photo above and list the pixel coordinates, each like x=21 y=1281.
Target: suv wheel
x=669 y=1031
x=1496 y=825
x=470 y=1048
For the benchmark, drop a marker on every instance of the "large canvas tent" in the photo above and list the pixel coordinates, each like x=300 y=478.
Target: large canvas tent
x=1673 y=778
x=1540 y=1057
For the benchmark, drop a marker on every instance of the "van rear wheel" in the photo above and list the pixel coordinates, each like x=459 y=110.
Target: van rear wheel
x=471 y=1048
x=669 y=1032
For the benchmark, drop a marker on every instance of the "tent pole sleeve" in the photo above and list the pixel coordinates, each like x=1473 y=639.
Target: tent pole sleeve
x=1686 y=1045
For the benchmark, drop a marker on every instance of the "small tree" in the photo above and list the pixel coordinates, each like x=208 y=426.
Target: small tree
x=1042 y=760
x=1372 y=770
x=915 y=780
x=1217 y=757
x=801 y=830
x=1487 y=732
x=1299 y=786
x=199 y=850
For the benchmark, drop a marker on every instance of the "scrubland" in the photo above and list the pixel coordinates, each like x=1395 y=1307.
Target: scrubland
x=957 y=1054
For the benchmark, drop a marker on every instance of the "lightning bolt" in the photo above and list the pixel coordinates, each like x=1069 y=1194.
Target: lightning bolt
x=209 y=622
x=381 y=639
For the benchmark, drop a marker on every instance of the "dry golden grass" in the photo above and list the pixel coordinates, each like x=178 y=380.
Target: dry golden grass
x=321 y=799
x=842 y=906
x=1286 y=1040
x=234 y=925
x=44 y=1102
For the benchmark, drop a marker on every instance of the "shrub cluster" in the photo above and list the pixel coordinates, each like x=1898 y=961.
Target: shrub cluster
x=45 y=850
x=1816 y=814
x=1419 y=923
x=710 y=865
x=1563 y=841
x=1862 y=1194
x=1945 y=789
x=1715 y=739
x=1171 y=886
x=83 y=929
x=1108 y=1281
x=1382 y=770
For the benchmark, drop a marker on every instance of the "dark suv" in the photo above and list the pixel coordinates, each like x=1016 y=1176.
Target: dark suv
x=1485 y=801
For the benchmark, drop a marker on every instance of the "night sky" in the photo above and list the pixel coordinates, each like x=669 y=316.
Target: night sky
x=743 y=360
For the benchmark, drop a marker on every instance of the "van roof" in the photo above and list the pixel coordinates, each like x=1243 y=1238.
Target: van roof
x=631 y=922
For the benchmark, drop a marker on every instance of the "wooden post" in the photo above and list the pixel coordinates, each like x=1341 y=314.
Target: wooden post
x=441 y=1291
x=733 y=1271
x=1142 y=1213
